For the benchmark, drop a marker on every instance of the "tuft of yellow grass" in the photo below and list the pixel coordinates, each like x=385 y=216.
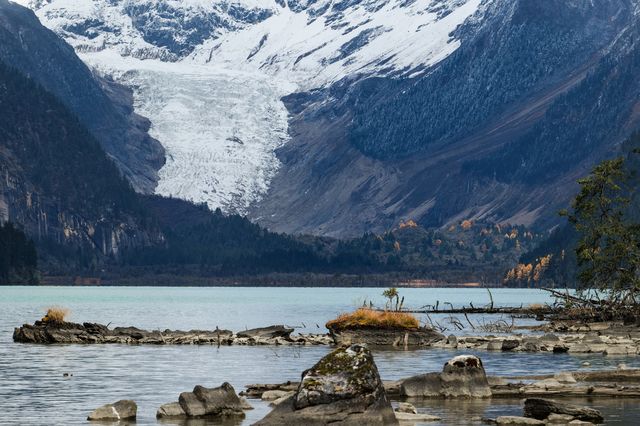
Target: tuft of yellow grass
x=364 y=317
x=536 y=306
x=56 y=314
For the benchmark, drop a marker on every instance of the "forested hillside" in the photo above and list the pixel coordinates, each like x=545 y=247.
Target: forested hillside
x=203 y=243
x=59 y=185
x=519 y=46
x=555 y=258
x=580 y=124
x=499 y=131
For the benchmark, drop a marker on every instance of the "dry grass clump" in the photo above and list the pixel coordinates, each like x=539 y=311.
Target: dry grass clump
x=536 y=306
x=364 y=317
x=56 y=314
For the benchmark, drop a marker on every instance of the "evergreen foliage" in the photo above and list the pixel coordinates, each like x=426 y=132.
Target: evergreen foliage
x=56 y=152
x=599 y=247
x=608 y=250
x=575 y=127
x=502 y=63
x=18 y=259
x=207 y=243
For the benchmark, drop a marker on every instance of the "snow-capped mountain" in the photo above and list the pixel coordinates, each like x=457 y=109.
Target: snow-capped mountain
x=210 y=75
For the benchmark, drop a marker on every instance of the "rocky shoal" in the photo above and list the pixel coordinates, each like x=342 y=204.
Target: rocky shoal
x=622 y=344
x=603 y=338
x=92 y=333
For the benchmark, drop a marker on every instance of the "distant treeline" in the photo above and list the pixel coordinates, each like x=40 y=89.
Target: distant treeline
x=18 y=258
x=200 y=242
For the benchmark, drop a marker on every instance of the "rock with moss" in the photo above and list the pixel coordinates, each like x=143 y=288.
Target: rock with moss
x=377 y=336
x=343 y=387
x=381 y=328
x=462 y=376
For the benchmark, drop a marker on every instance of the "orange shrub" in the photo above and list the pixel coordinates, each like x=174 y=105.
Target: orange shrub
x=364 y=317
x=55 y=314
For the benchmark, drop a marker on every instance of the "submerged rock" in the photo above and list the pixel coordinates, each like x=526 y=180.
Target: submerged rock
x=122 y=410
x=411 y=418
x=515 y=420
x=462 y=376
x=343 y=387
x=541 y=409
x=405 y=407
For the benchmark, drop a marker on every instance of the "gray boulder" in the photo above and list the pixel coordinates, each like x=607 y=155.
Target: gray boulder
x=122 y=410
x=344 y=387
x=220 y=401
x=510 y=344
x=462 y=376
x=541 y=409
x=280 y=400
x=172 y=409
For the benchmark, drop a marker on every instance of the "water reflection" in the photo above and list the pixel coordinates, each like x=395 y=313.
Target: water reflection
x=226 y=421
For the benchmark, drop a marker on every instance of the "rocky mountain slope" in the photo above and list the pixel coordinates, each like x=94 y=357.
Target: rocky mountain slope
x=104 y=107
x=496 y=131
x=58 y=184
x=339 y=117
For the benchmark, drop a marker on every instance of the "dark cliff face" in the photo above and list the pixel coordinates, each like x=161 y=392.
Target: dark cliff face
x=58 y=184
x=500 y=130
x=103 y=107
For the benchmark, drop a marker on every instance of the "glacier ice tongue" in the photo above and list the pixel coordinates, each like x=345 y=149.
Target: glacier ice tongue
x=219 y=127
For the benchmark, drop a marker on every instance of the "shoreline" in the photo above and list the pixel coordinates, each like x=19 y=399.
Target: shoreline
x=299 y=279
x=607 y=338
x=250 y=284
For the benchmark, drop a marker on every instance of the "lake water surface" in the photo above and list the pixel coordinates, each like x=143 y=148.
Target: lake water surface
x=33 y=390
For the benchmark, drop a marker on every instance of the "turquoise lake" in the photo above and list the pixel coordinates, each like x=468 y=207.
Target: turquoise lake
x=34 y=391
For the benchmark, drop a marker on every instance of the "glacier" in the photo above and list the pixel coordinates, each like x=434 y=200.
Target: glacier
x=210 y=75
